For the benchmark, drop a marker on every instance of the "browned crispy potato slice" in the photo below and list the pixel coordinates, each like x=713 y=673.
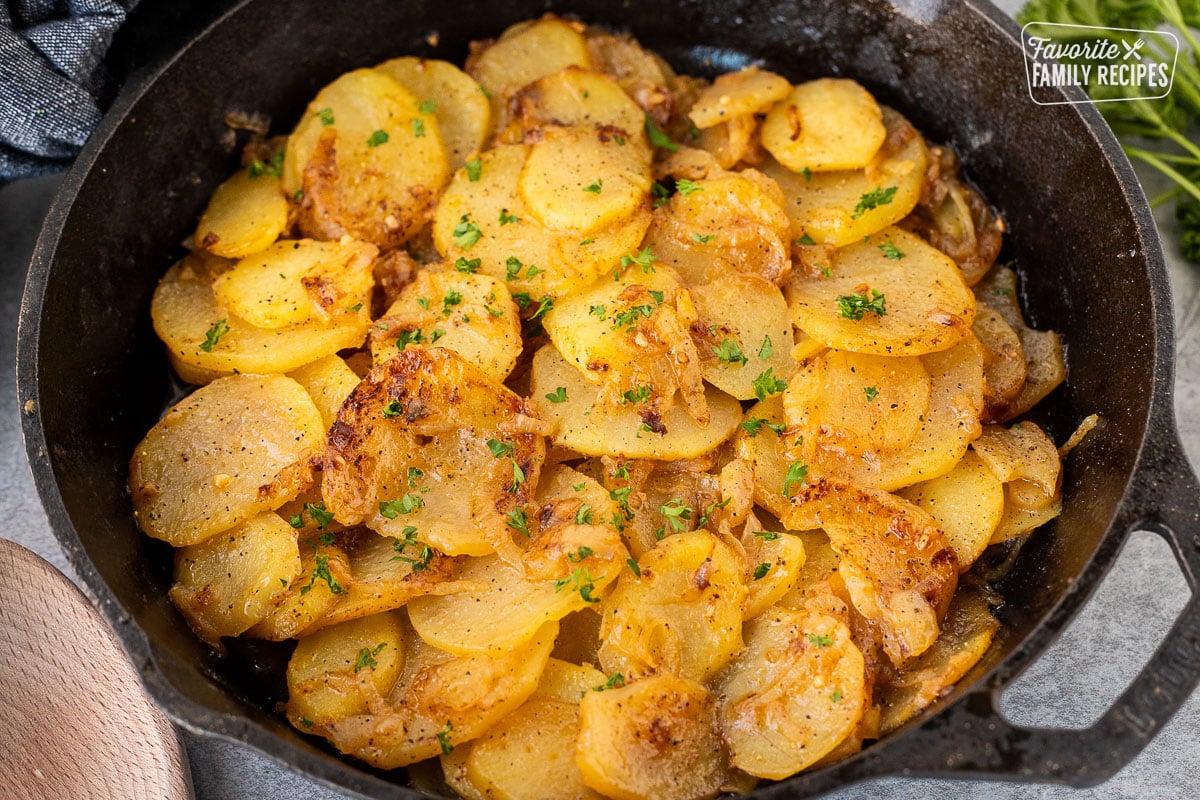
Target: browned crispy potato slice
x=329 y=381
x=967 y=633
x=574 y=553
x=1003 y=361
x=671 y=498
x=898 y=568
x=761 y=442
x=228 y=451
x=368 y=161
x=524 y=53
x=1044 y=366
x=743 y=330
x=773 y=564
x=967 y=503
x=530 y=755
x=653 y=739
x=335 y=672
x=730 y=222
x=824 y=125
x=581 y=424
x=473 y=315
x=428 y=420
x=749 y=91
x=383 y=574
x=463 y=113
x=915 y=425
x=793 y=695
x=837 y=208
x=311 y=595
x=682 y=614
x=731 y=141
x=441 y=701
x=890 y=295
x=577 y=97
x=583 y=180
x=486 y=219
x=1018 y=520
x=246 y=213
x=1025 y=458
x=642 y=74
x=225 y=585
x=210 y=340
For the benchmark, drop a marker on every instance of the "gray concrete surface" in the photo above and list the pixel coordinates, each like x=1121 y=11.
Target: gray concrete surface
x=1069 y=687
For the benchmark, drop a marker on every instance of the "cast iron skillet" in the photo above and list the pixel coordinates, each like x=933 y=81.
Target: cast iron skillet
x=92 y=377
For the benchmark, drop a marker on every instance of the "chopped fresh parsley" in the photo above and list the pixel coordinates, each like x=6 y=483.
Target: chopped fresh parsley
x=377 y=138
x=474 y=169
x=767 y=384
x=421 y=562
x=326 y=116
x=545 y=306
x=767 y=536
x=873 y=199
x=518 y=520
x=645 y=259
x=318 y=514
x=730 y=352
x=708 y=512
x=581 y=552
x=470 y=266
x=438 y=333
x=658 y=138
x=870 y=392
x=428 y=107
x=443 y=737
x=418 y=126
x=633 y=565
x=452 y=298
x=410 y=502
x=698 y=239
x=559 y=395
x=598 y=311
x=807 y=173
x=408 y=337
x=213 y=335
x=584 y=516
x=836 y=697
x=754 y=424
x=595 y=188
x=686 y=187
x=761 y=570
x=660 y=193
x=890 y=251
x=797 y=472
x=415 y=474
x=853 y=306
x=676 y=514
x=581 y=581
x=321 y=570
x=466 y=233
x=507 y=218
x=819 y=640
x=366 y=657
x=628 y=318
x=638 y=394
x=806 y=240
x=615 y=681
x=767 y=350
x=274 y=167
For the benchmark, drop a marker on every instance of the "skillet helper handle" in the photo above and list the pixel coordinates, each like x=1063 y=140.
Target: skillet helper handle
x=975 y=740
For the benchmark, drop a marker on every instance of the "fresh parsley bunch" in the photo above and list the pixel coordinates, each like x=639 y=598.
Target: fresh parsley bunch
x=1166 y=121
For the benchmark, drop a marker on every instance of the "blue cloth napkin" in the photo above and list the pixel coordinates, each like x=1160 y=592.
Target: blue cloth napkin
x=50 y=77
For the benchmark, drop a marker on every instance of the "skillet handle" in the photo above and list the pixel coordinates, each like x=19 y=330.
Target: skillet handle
x=975 y=740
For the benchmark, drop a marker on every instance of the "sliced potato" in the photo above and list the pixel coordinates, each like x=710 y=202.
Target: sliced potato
x=624 y=432
x=309 y=598
x=223 y=586
x=424 y=420
x=823 y=125
x=682 y=614
x=440 y=702
x=335 y=672
x=749 y=91
x=565 y=682
x=245 y=214
x=1019 y=520
x=967 y=503
x=522 y=56
x=837 y=208
x=487 y=220
x=329 y=381
x=653 y=739
x=473 y=315
x=1025 y=459
x=208 y=339
x=875 y=301
x=463 y=113
x=366 y=160
x=967 y=633
x=773 y=567
x=581 y=98
x=793 y=695
x=583 y=180
x=225 y=453
x=530 y=755
x=730 y=141
x=642 y=74
x=758 y=443
x=1003 y=361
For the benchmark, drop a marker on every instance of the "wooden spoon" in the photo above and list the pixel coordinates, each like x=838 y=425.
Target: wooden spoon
x=75 y=721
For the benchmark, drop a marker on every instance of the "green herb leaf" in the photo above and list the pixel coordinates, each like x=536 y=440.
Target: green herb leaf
x=767 y=350
x=873 y=199
x=730 y=352
x=428 y=107
x=559 y=395
x=443 y=737
x=767 y=536
x=686 y=187
x=698 y=239
x=806 y=240
x=820 y=641
x=853 y=306
x=658 y=138
x=890 y=251
x=761 y=570
x=213 y=335
x=474 y=169
x=797 y=472
x=518 y=521
x=633 y=565
x=871 y=392
x=639 y=394
x=377 y=138
x=366 y=657
x=408 y=337
x=470 y=266
x=390 y=509
x=507 y=218
x=767 y=384
x=676 y=514
x=418 y=126
x=326 y=116
x=466 y=233
x=595 y=188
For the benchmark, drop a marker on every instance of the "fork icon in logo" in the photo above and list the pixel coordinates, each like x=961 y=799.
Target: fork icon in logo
x=1131 y=50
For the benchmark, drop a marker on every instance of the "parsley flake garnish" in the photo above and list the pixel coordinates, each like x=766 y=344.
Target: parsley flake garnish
x=418 y=126
x=559 y=395
x=890 y=251
x=326 y=116
x=871 y=392
x=443 y=737
x=819 y=640
x=213 y=335
x=466 y=233
x=698 y=239
x=873 y=199
x=658 y=138
x=410 y=502
x=797 y=472
x=730 y=352
x=474 y=169
x=761 y=571
x=767 y=384
x=377 y=138
x=469 y=266
x=853 y=306
x=518 y=521
x=366 y=657
x=507 y=218
x=595 y=188
x=686 y=187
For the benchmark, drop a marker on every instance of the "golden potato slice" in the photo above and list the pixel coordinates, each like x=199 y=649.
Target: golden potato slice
x=311 y=595
x=521 y=56
x=848 y=431
x=623 y=432
x=454 y=774
x=463 y=113
x=1025 y=455
x=565 y=682
x=793 y=695
x=837 y=208
x=653 y=739
x=967 y=503
x=1019 y=519
x=582 y=98
x=383 y=574
x=335 y=672
x=367 y=160
x=730 y=222
x=512 y=601
x=773 y=565
x=1003 y=361
x=329 y=381
x=440 y=702
x=682 y=614
x=746 y=331
x=823 y=125
x=898 y=568
x=228 y=451
x=642 y=74
x=530 y=755
x=967 y=633
x=749 y=91
x=428 y=441
x=486 y=219
x=758 y=443
x=890 y=295
x=473 y=315
x=820 y=569
x=245 y=214
x=582 y=180
x=209 y=340
x=731 y=141
x=225 y=585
